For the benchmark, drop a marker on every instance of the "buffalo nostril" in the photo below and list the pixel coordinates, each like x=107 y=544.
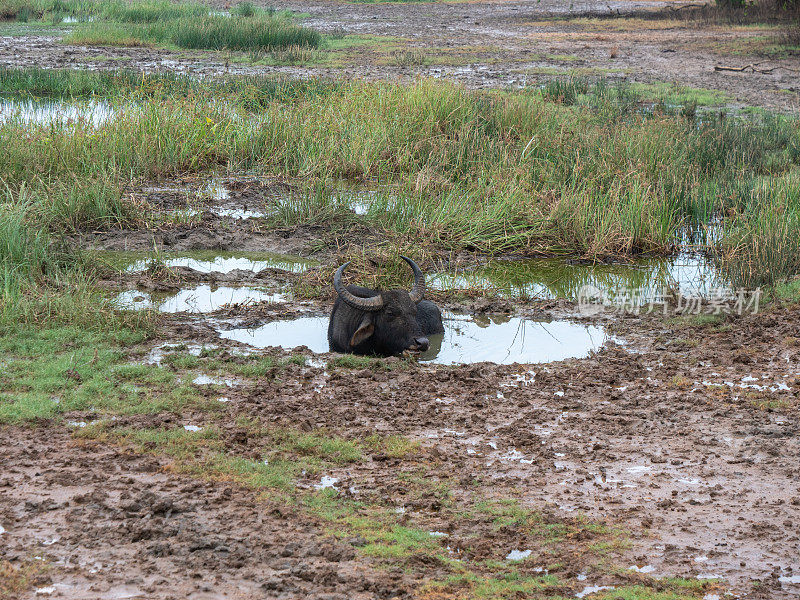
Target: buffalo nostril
x=422 y=343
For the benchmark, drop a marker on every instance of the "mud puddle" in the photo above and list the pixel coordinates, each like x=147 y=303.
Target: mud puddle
x=498 y=339
x=208 y=261
x=237 y=213
x=200 y=299
x=45 y=112
x=639 y=282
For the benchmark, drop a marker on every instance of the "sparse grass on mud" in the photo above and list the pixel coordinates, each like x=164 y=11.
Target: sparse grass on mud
x=370 y=520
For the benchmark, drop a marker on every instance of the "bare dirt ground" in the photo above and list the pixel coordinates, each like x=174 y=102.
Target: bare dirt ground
x=115 y=524
x=492 y=44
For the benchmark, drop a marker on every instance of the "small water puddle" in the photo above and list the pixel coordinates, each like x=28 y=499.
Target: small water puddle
x=239 y=214
x=593 y=589
x=638 y=282
x=210 y=261
x=45 y=112
x=203 y=379
x=327 y=482
x=217 y=190
x=200 y=299
x=497 y=339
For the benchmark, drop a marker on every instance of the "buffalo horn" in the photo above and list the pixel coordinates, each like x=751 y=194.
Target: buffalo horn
x=373 y=303
x=417 y=293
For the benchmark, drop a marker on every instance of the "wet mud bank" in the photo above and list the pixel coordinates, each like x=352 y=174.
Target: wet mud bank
x=486 y=45
x=688 y=443
x=110 y=523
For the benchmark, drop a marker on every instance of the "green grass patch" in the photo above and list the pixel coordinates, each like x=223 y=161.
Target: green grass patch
x=499 y=587
x=209 y=32
x=186 y=25
x=761 y=245
x=51 y=370
x=51 y=10
x=18 y=577
x=548 y=530
x=393 y=446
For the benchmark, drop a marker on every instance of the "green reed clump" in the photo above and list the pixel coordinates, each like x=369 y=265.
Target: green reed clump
x=565 y=91
x=761 y=243
x=136 y=11
x=26 y=10
x=212 y=32
x=251 y=92
x=81 y=84
x=41 y=279
x=149 y=11
x=24 y=250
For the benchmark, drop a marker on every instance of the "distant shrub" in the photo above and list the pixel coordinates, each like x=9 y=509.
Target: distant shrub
x=244 y=9
x=565 y=91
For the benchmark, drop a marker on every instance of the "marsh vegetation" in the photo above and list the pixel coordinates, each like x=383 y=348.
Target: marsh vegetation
x=566 y=169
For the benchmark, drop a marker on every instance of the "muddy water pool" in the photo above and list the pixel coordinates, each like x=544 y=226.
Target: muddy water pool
x=498 y=339
x=199 y=299
x=209 y=261
x=641 y=281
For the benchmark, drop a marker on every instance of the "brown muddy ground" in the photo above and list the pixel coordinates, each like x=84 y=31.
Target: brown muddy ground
x=112 y=524
x=663 y=439
x=685 y=436
x=649 y=437
x=493 y=44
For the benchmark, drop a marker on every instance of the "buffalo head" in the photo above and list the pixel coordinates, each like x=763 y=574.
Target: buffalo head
x=367 y=321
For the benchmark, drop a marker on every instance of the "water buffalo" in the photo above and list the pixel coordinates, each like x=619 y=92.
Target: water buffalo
x=365 y=321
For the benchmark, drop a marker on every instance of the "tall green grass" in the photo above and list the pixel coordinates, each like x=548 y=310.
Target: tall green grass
x=490 y=172
x=252 y=92
x=761 y=245
x=149 y=11
x=132 y=11
x=212 y=32
x=27 y=10
x=190 y=25
x=42 y=280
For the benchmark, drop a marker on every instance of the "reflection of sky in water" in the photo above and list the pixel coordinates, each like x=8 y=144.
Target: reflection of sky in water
x=238 y=213
x=217 y=190
x=220 y=262
x=502 y=340
x=553 y=278
x=44 y=112
x=505 y=340
x=202 y=298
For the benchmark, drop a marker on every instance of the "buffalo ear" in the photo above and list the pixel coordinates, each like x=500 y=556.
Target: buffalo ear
x=364 y=331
